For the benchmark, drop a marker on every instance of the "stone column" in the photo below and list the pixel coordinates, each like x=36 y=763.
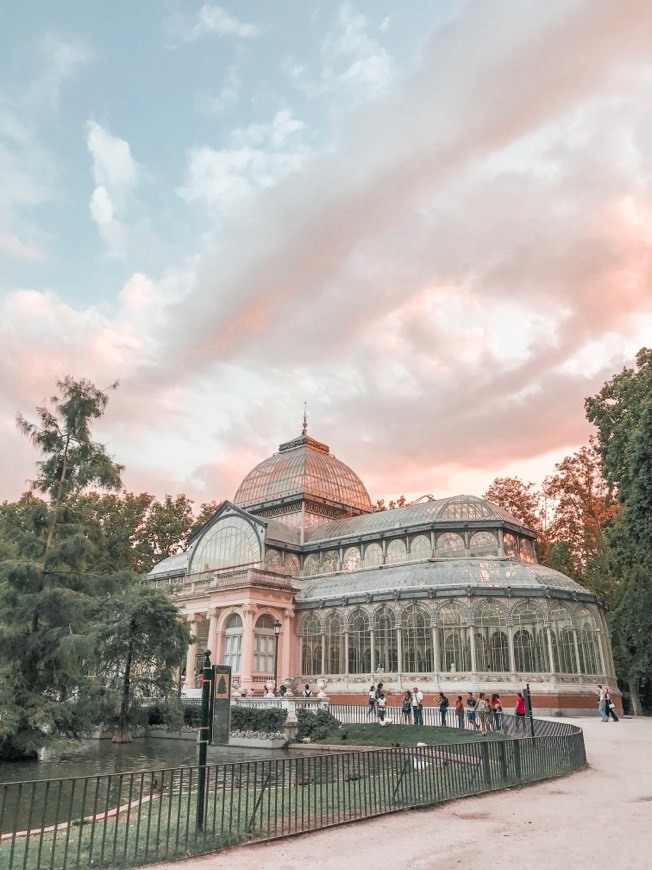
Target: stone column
x=372 y=637
x=211 y=615
x=472 y=645
x=286 y=667
x=436 y=665
x=346 y=652
x=512 y=659
x=191 y=655
x=247 y=654
x=601 y=653
x=399 y=649
x=323 y=652
x=578 y=663
x=552 y=658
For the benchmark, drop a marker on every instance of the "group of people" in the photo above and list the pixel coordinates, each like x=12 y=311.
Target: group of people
x=482 y=713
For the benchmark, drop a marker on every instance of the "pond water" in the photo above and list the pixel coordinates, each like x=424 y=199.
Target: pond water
x=93 y=757
x=37 y=794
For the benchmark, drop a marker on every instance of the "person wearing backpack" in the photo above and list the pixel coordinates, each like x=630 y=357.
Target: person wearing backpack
x=610 y=707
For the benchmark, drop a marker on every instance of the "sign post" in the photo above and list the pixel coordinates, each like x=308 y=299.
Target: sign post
x=204 y=731
x=221 y=705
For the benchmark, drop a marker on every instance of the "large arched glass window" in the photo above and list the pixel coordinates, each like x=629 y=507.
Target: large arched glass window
x=373 y=556
x=359 y=643
x=562 y=637
x=330 y=561
x=416 y=640
x=351 y=559
x=334 y=645
x=530 y=641
x=491 y=642
x=311 y=564
x=233 y=642
x=483 y=544
x=396 y=551
x=385 y=645
x=264 y=645
x=231 y=543
x=420 y=548
x=453 y=635
x=526 y=549
x=311 y=646
x=450 y=546
x=273 y=560
x=587 y=640
x=510 y=544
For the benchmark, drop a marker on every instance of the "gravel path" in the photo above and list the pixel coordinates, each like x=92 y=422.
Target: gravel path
x=601 y=816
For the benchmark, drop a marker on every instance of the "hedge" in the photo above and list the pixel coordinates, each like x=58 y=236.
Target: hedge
x=254 y=719
x=317 y=725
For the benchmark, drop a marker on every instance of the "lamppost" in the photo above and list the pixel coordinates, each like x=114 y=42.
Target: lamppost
x=276 y=625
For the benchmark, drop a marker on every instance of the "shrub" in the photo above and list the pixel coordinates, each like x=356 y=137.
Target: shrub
x=256 y=719
x=170 y=714
x=317 y=725
x=191 y=715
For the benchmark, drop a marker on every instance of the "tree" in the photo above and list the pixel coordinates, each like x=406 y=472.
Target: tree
x=380 y=505
x=47 y=576
x=526 y=504
x=140 y=642
x=582 y=504
x=622 y=413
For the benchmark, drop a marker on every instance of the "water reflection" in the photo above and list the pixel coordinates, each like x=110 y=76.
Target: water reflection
x=89 y=758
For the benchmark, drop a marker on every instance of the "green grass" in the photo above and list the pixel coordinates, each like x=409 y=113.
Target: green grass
x=405 y=735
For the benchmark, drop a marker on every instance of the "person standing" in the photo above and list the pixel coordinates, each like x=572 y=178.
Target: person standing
x=372 y=701
x=380 y=707
x=443 y=708
x=519 y=711
x=459 y=711
x=306 y=692
x=602 y=703
x=471 y=704
x=482 y=711
x=417 y=706
x=497 y=708
x=406 y=707
x=610 y=707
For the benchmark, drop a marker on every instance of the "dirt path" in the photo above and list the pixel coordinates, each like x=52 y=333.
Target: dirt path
x=601 y=816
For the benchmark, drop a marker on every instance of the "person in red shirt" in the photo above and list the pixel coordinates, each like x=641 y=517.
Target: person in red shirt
x=519 y=711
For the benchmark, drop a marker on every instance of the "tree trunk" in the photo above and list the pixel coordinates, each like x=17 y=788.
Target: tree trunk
x=635 y=697
x=122 y=734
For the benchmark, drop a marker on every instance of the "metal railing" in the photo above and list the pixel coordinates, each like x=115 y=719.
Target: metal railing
x=128 y=819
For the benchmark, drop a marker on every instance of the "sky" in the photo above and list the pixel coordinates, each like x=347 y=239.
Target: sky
x=429 y=221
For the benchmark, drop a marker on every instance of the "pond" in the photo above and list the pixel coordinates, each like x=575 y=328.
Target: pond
x=37 y=803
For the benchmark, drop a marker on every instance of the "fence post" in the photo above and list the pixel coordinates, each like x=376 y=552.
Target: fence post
x=204 y=732
x=528 y=708
x=516 y=747
x=486 y=768
x=502 y=757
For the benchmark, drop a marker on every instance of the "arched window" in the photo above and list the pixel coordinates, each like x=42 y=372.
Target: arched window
x=231 y=543
x=291 y=564
x=330 y=561
x=483 y=544
x=453 y=635
x=510 y=545
x=351 y=560
x=233 y=642
x=563 y=641
x=420 y=548
x=385 y=645
x=491 y=642
x=527 y=550
x=530 y=641
x=311 y=646
x=334 y=645
x=416 y=640
x=264 y=645
x=450 y=546
x=396 y=551
x=373 y=556
x=587 y=640
x=273 y=560
x=311 y=564
x=359 y=643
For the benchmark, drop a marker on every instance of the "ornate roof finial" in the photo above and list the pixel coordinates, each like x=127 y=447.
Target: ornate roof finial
x=305 y=418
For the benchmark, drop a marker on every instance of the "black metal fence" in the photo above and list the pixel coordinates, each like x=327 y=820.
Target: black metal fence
x=125 y=820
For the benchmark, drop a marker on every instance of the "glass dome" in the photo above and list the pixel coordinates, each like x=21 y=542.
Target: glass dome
x=303 y=467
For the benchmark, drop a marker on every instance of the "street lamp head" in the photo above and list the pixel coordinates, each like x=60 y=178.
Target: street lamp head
x=277 y=626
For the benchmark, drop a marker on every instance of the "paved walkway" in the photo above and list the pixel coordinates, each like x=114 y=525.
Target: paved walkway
x=599 y=817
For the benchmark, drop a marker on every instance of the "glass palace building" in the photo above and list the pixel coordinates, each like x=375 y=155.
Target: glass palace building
x=445 y=594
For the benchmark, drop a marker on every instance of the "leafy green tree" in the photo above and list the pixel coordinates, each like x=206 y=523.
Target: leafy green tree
x=139 y=644
x=47 y=577
x=622 y=413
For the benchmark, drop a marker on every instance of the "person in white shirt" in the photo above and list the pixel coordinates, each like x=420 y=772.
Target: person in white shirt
x=372 y=701
x=380 y=705
x=417 y=706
